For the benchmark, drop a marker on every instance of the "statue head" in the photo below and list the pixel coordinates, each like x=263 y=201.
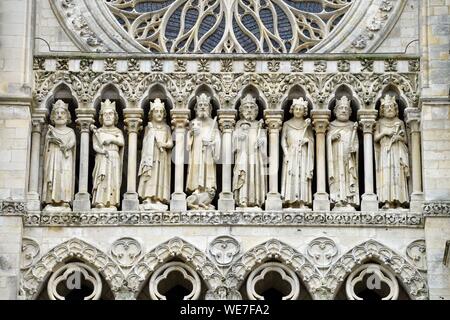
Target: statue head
x=60 y=114
x=157 y=110
x=299 y=108
x=108 y=114
x=248 y=108
x=389 y=107
x=203 y=107
x=343 y=109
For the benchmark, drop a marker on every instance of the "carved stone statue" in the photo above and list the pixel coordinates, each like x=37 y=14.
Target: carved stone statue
x=391 y=156
x=342 y=152
x=203 y=145
x=59 y=160
x=250 y=147
x=108 y=142
x=297 y=142
x=154 y=170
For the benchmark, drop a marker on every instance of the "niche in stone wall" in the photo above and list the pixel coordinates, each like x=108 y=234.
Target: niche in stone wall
x=61 y=92
x=110 y=92
x=174 y=280
x=205 y=89
x=340 y=92
x=75 y=280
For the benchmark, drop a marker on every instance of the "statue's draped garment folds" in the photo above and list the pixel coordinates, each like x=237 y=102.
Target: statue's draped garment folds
x=59 y=159
x=250 y=145
x=203 y=145
x=297 y=142
x=108 y=142
x=342 y=154
x=391 y=156
x=154 y=169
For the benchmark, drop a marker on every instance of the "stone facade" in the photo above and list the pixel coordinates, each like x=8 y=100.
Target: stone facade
x=376 y=56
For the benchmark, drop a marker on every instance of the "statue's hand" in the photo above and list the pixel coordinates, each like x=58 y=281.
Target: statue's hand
x=242 y=136
x=335 y=137
x=260 y=142
x=196 y=130
x=207 y=143
x=106 y=142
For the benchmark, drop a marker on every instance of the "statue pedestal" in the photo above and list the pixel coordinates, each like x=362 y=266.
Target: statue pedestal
x=321 y=202
x=178 y=202
x=130 y=202
x=273 y=202
x=33 y=202
x=82 y=202
x=226 y=202
x=369 y=202
x=417 y=200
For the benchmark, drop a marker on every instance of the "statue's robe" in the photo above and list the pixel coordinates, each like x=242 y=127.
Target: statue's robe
x=202 y=159
x=154 y=169
x=107 y=174
x=250 y=172
x=392 y=164
x=59 y=167
x=342 y=157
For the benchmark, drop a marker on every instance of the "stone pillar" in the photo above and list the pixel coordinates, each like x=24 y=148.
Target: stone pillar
x=85 y=118
x=133 y=121
x=320 y=122
x=227 y=120
x=33 y=197
x=274 y=121
x=180 y=119
x=369 y=201
x=412 y=116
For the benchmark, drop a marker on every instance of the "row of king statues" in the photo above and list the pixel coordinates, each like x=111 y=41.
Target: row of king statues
x=249 y=142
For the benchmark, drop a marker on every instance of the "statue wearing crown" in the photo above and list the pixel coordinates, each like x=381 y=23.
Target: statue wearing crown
x=250 y=147
x=59 y=160
x=391 y=156
x=108 y=143
x=154 y=169
x=297 y=142
x=203 y=145
x=342 y=153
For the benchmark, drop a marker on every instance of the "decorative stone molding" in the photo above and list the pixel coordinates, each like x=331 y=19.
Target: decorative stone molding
x=33 y=279
x=223 y=250
x=30 y=253
x=223 y=293
x=69 y=273
x=10 y=207
x=417 y=254
x=322 y=251
x=411 y=279
x=126 y=251
x=274 y=249
x=175 y=247
x=378 y=274
x=163 y=272
x=259 y=274
x=436 y=209
x=243 y=218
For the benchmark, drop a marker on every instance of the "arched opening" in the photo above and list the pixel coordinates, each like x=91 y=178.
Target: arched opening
x=75 y=280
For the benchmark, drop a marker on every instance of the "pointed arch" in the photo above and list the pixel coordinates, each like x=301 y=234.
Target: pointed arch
x=275 y=249
x=33 y=279
x=175 y=247
x=336 y=81
x=410 y=278
x=405 y=87
x=255 y=81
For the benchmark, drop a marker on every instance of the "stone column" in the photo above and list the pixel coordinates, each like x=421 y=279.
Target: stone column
x=133 y=121
x=227 y=120
x=369 y=201
x=85 y=118
x=33 y=197
x=412 y=116
x=320 y=122
x=274 y=121
x=180 y=119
